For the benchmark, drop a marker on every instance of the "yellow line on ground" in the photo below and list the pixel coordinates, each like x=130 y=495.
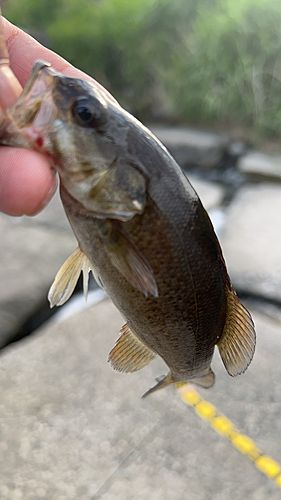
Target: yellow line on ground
x=223 y=426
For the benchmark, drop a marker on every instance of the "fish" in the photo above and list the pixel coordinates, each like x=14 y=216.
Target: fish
x=141 y=229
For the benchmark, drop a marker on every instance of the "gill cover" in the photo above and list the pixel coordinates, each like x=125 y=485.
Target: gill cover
x=119 y=193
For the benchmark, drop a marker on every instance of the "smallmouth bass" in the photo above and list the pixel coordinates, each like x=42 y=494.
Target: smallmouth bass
x=141 y=230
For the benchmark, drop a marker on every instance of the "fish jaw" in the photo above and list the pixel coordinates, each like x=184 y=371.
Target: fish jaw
x=27 y=123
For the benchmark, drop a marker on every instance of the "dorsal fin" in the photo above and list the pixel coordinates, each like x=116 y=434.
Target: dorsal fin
x=129 y=354
x=237 y=343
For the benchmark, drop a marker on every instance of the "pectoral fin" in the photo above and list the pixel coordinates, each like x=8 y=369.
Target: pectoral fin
x=67 y=277
x=129 y=354
x=127 y=259
x=237 y=343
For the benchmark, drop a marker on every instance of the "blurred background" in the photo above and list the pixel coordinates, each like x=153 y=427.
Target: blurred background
x=205 y=76
x=205 y=62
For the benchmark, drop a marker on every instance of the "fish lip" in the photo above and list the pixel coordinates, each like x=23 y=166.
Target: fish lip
x=42 y=65
x=29 y=118
x=27 y=123
x=37 y=68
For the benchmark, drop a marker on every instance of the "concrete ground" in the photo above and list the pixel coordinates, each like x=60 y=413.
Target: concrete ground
x=71 y=428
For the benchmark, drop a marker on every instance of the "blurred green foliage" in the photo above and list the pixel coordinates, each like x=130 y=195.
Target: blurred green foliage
x=196 y=61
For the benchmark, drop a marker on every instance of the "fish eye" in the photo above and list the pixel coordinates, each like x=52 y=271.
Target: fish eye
x=88 y=112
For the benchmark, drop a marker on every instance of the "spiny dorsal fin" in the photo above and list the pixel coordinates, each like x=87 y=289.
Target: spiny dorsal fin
x=67 y=277
x=237 y=343
x=129 y=354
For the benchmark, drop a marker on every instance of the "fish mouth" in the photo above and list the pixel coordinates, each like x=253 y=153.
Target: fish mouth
x=26 y=123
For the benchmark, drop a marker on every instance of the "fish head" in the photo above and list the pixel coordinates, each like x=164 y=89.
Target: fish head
x=76 y=123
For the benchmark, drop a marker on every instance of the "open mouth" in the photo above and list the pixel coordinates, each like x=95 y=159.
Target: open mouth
x=27 y=122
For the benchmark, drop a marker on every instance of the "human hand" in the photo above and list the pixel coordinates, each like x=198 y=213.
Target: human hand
x=27 y=181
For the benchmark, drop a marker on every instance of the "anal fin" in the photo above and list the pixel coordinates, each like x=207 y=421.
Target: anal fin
x=129 y=354
x=67 y=277
x=237 y=343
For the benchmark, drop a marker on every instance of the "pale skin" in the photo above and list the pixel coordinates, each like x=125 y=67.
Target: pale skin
x=27 y=181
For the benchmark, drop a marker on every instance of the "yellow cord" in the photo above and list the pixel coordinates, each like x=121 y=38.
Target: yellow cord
x=223 y=426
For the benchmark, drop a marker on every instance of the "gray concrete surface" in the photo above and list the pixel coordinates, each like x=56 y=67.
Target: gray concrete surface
x=32 y=250
x=192 y=147
x=71 y=428
x=260 y=166
x=251 y=239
